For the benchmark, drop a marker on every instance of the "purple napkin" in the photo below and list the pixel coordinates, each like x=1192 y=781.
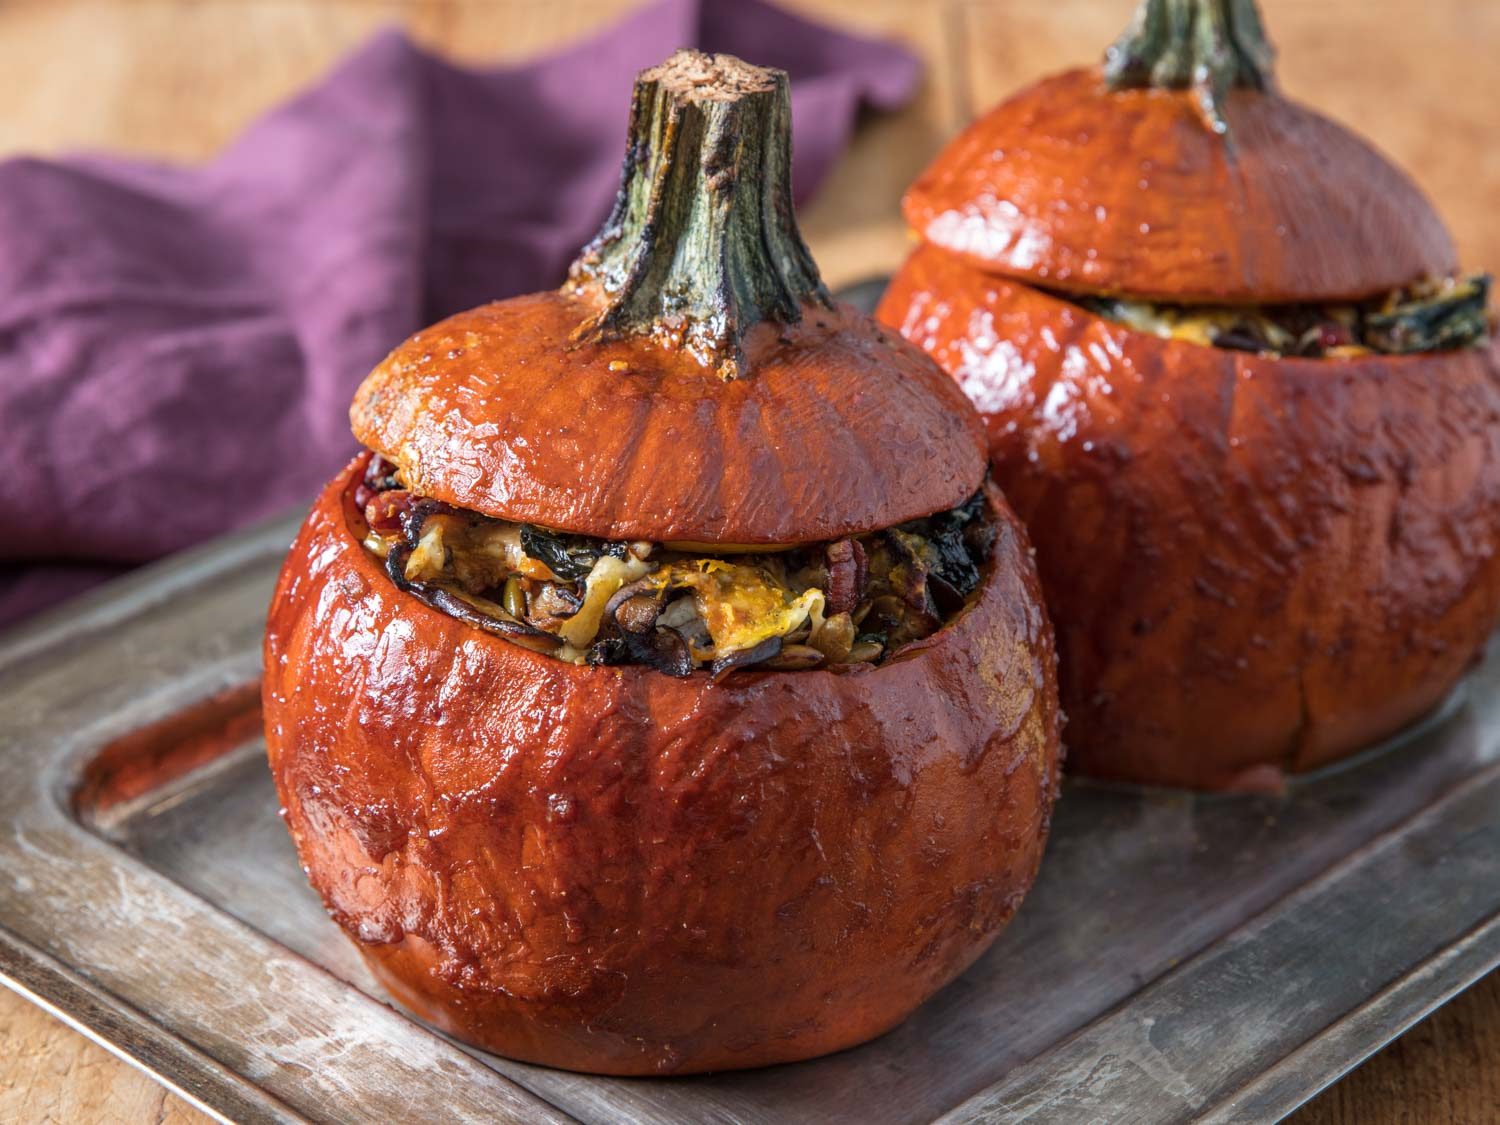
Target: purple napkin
x=178 y=346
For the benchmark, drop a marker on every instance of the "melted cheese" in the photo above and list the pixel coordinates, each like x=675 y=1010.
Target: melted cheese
x=742 y=605
x=1195 y=325
x=604 y=580
x=430 y=555
x=718 y=607
x=502 y=541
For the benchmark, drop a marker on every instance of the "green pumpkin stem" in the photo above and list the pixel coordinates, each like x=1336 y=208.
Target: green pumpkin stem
x=702 y=244
x=1208 y=46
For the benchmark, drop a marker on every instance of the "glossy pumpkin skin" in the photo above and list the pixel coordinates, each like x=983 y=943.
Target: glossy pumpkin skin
x=1254 y=565
x=608 y=869
x=1077 y=188
x=842 y=428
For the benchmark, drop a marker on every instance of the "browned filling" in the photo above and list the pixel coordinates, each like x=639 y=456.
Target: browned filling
x=1441 y=314
x=678 y=607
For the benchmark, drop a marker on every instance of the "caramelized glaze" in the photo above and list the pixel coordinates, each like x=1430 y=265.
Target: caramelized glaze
x=608 y=869
x=605 y=867
x=1251 y=561
x=1072 y=186
x=840 y=427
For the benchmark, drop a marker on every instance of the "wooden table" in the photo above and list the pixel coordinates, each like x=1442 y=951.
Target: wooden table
x=179 y=78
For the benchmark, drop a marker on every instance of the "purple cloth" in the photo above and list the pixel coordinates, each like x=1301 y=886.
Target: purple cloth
x=178 y=346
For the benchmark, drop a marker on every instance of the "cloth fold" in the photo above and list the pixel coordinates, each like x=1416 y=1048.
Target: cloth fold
x=179 y=345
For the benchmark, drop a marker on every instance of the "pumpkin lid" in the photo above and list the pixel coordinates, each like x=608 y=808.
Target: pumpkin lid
x=692 y=380
x=1177 y=172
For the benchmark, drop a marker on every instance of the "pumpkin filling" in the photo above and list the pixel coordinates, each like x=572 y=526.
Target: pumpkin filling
x=677 y=607
x=1433 y=315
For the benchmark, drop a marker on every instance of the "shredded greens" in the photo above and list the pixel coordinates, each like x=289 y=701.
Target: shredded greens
x=1435 y=315
x=678 y=608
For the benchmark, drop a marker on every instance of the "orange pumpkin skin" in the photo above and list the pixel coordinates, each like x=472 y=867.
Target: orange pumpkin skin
x=624 y=439
x=1254 y=565
x=1078 y=188
x=608 y=869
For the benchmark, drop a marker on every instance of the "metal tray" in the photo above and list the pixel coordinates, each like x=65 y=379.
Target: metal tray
x=1180 y=958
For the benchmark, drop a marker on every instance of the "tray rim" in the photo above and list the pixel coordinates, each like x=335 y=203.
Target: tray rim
x=39 y=811
x=1387 y=1012
x=218 y=1089
x=120 y=1029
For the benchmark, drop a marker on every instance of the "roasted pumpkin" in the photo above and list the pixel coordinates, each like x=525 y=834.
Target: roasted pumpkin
x=1238 y=394
x=665 y=689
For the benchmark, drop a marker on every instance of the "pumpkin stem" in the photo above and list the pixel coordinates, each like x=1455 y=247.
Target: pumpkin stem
x=1210 y=46
x=702 y=244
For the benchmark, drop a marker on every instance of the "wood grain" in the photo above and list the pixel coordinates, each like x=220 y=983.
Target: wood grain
x=177 y=79
x=50 y=1073
x=1446 y=1069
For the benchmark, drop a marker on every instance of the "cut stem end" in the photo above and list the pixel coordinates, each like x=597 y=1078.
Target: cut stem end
x=1208 y=46
x=702 y=243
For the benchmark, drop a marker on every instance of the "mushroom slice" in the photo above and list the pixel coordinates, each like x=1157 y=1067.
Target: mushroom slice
x=742 y=605
x=604 y=580
x=478 y=612
x=746 y=657
x=661 y=649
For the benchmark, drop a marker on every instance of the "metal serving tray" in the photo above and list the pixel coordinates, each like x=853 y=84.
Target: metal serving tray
x=1180 y=958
